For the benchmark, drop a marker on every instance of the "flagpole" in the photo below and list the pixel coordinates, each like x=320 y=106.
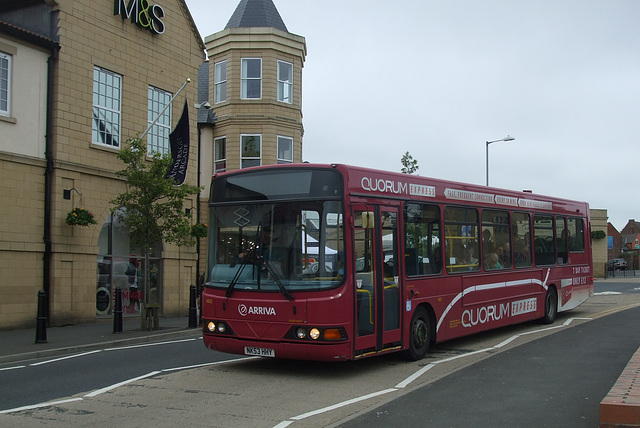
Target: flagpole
x=165 y=107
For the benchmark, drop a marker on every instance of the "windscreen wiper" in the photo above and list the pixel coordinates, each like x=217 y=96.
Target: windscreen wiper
x=251 y=255
x=277 y=279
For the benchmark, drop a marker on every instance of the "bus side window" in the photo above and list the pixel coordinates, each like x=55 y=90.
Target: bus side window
x=561 y=240
x=576 y=234
x=461 y=239
x=521 y=237
x=544 y=245
x=496 y=239
x=422 y=255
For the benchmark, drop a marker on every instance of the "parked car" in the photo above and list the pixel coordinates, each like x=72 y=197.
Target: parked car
x=617 y=264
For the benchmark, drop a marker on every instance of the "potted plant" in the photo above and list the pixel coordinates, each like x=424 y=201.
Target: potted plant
x=80 y=217
x=199 y=230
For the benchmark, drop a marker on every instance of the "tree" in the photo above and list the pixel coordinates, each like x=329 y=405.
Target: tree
x=410 y=165
x=152 y=206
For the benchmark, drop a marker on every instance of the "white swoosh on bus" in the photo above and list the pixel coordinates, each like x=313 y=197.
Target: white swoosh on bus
x=491 y=287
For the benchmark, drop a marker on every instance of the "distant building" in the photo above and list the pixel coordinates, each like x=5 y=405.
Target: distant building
x=614 y=242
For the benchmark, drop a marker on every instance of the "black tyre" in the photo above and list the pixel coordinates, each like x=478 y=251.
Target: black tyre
x=550 y=306
x=421 y=331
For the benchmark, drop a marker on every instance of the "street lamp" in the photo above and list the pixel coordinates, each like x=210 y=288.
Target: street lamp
x=507 y=138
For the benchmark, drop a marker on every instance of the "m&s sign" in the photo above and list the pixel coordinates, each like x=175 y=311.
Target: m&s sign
x=142 y=13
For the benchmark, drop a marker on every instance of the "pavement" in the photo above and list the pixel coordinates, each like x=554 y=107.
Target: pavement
x=20 y=344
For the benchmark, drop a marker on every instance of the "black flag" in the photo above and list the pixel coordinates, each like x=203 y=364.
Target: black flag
x=179 y=140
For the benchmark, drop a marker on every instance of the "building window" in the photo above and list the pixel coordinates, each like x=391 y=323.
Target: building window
x=120 y=264
x=220 y=154
x=251 y=78
x=285 y=149
x=158 y=135
x=220 y=81
x=5 y=82
x=250 y=150
x=106 y=107
x=285 y=82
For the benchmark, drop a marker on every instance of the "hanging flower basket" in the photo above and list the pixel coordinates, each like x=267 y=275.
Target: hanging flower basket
x=199 y=230
x=80 y=217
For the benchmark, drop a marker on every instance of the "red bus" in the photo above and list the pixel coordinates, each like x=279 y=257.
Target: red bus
x=335 y=262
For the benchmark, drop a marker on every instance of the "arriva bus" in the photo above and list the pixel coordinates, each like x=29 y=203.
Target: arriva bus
x=334 y=262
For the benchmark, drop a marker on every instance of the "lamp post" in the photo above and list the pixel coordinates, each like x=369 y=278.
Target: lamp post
x=507 y=138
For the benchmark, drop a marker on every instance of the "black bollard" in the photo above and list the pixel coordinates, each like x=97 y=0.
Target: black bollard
x=117 y=312
x=41 y=325
x=193 y=310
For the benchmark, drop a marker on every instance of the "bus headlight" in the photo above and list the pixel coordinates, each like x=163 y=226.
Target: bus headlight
x=301 y=333
x=221 y=328
x=211 y=326
x=314 y=333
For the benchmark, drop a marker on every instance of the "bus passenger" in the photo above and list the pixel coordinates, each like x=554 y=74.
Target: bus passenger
x=492 y=261
x=488 y=246
x=504 y=253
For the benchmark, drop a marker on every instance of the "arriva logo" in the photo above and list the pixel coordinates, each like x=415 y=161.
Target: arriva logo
x=255 y=310
x=385 y=186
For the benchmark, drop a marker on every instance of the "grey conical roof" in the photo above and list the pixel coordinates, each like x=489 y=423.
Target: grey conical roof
x=256 y=13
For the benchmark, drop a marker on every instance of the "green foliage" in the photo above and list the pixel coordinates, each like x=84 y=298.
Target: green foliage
x=199 y=230
x=598 y=234
x=80 y=217
x=410 y=165
x=153 y=205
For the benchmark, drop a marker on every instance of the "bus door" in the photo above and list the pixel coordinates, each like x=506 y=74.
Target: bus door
x=377 y=285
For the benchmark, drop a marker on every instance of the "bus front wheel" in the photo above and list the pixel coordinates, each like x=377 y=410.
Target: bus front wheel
x=550 y=306
x=420 y=334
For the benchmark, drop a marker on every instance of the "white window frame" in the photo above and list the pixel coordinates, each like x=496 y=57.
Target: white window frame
x=5 y=84
x=284 y=140
x=158 y=135
x=220 y=82
x=285 y=87
x=250 y=158
x=246 y=80
x=222 y=160
x=107 y=100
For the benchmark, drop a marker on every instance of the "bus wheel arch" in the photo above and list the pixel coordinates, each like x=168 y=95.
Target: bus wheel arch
x=550 y=305
x=421 y=333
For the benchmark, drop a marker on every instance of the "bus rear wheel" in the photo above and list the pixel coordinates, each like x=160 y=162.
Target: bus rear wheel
x=550 y=306
x=420 y=334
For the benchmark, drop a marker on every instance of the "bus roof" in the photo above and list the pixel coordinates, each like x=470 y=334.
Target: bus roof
x=367 y=182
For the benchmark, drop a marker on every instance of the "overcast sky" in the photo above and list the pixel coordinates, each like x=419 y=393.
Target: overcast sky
x=438 y=79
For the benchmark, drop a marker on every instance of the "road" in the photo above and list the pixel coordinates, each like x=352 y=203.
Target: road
x=183 y=383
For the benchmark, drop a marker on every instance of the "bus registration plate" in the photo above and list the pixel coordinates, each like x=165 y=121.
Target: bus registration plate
x=260 y=352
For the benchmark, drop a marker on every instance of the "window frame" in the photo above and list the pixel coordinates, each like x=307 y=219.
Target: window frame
x=222 y=160
x=282 y=138
x=249 y=159
x=218 y=83
x=7 y=81
x=245 y=80
x=158 y=135
x=285 y=84
x=103 y=108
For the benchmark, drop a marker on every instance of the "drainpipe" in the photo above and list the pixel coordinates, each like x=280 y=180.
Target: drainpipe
x=198 y=210
x=48 y=179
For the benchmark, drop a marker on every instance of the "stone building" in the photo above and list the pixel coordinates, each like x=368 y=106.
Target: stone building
x=77 y=79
